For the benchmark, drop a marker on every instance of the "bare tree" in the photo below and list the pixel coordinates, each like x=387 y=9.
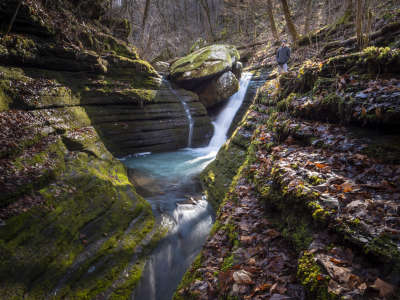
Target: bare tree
x=146 y=13
x=359 y=23
x=289 y=22
x=272 y=20
x=308 y=16
x=204 y=4
x=14 y=17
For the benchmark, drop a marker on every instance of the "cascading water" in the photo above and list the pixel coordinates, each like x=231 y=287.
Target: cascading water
x=170 y=186
x=225 y=118
x=187 y=112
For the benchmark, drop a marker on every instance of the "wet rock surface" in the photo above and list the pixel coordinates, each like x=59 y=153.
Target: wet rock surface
x=218 y=90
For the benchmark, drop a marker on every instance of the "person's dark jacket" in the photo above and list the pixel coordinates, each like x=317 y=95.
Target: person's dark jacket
x=283 y=55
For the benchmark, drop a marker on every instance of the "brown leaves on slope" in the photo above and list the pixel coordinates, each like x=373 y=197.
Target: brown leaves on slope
x=251 y=258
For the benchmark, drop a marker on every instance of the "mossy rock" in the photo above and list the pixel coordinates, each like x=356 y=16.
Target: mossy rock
x=4 y=101
x=313 y=278
x=92 y=204
x=219 y=90
x=204 y=64
x=198 y=44
x=216 y=178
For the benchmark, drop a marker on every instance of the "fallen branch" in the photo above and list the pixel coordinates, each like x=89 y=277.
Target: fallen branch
x=390 y=29
x=251 y=45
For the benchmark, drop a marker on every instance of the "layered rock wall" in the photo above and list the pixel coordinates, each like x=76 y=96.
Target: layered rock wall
x=71 y=223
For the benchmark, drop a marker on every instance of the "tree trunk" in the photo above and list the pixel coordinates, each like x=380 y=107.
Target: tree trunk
x=289 y=22
x=145 y=14
x=359 y=23
x=349 y=5
x=272 y=20
x=204 y=4
x=308 y=16
x=14 y=17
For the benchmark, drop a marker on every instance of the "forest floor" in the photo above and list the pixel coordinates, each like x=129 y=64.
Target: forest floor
x=314 y=212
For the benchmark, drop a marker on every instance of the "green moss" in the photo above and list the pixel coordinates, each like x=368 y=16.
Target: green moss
x=194 y=62
x=332 y=98
x=313 y=278
x=217 y=177
x=4 y=101
x=356 y=222
x=320 y=214
x=189 y=278
x=231 y=232
x=323 y=84
x=384 y=248
x=378 y=53
x=142 y=94
x=298 y=232
x=284 y=105
x=198 y=44
x=227 y=263
x=316 y=180
x=93 y=197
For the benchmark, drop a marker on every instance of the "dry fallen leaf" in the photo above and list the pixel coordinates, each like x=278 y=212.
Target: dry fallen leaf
x=242 y=277
x=321 y=166
x=347 y=187
x=363 y=112
x=245 y=239
x=385 y=289
x=262 y=287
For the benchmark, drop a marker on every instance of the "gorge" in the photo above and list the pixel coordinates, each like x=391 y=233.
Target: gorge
x=152 y=150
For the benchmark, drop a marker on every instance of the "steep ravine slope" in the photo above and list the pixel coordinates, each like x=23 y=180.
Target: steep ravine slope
x=313 y=208
x=71 y=223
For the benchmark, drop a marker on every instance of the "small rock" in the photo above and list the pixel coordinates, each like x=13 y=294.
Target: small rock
x=47 y=130
x=91 y=269
x=2 y=222
x=199 y=285
x=235 y=289
x=361 y=95
x=328 y=201
x=237 y=69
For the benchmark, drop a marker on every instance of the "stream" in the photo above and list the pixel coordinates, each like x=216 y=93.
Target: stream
x=168 y=182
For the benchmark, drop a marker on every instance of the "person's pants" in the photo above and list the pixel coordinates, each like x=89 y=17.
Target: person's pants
x=282 y=68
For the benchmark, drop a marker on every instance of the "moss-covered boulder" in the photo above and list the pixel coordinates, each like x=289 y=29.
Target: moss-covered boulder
x=198 y=44
x=204 y=64
x=218 y=90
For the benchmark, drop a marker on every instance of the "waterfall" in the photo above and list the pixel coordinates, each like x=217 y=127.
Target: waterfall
x=224 y=119
x=228 y=113
x=173 y=192
x=187 y=112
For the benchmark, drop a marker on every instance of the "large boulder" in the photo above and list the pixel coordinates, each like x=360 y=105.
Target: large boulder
x=237 y=69
x=216 y=91
x=204 y=64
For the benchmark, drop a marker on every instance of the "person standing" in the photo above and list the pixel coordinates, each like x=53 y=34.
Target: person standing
x=282 y=57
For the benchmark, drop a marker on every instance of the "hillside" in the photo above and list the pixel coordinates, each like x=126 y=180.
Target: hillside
x=312 y=210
